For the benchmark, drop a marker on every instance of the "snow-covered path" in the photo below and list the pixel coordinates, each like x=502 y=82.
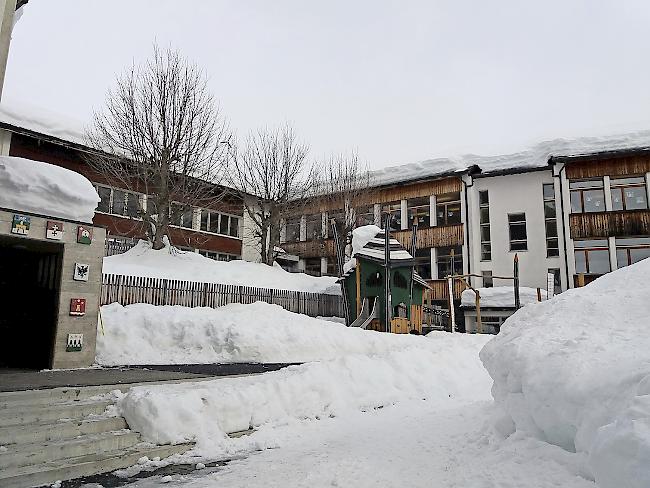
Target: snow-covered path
x=410 y=444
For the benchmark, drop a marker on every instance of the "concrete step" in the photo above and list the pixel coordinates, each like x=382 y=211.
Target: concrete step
x=88 y=465
x=28 y=415
x=64 y=429
x=27 y=454
x=12 y=399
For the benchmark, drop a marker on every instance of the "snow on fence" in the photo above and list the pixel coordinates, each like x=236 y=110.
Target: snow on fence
x=126 y=290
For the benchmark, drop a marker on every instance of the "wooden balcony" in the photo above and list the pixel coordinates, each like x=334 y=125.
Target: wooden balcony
x=440 y=289
x=610 y=224
x=311 y=249
x=443 y=236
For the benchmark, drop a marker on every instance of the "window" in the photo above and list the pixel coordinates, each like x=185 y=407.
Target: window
x=187 y=218
x=550 y=217
x=292 y=229
x=419 y=212
x=587 y=196
x=629 y=193
x=449 y=261
x=339 y=217
x=331 y=267
x=118 y=202
x=218 y=256
x=448 y=209
x=423 y=263
x=518 y=236
x=314 y=227
x=400 y=310
x=630 y=250
x=592 y=256
x=488 y=282
x=312 y=266
x=181 y=215
x=218 y=223
x=374 y=280
x=365 y=215
x=557 y=283
x=105 y=202
x=394 y=209
x=484 y=218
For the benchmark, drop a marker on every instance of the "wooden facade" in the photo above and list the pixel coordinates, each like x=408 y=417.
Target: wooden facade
x=443 y=236
x=610 y=224
x=637 y=164
x=416 y=190
x=440 y=289
x=322 y=248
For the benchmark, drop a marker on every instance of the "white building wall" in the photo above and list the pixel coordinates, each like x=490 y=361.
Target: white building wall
x=517 y=193
x=250 y=248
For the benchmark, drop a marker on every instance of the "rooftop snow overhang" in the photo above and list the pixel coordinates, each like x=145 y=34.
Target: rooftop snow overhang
x=600 y=155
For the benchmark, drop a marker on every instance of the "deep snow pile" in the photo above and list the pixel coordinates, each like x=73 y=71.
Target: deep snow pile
x=142 y=260
x=45 y=189
x=500 y=296
x=258 y=332
x=575 y=371
x=442 y=368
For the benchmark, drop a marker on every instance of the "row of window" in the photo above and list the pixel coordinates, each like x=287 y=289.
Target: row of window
x=626 y=194
x=592 y=255
x=129 y=204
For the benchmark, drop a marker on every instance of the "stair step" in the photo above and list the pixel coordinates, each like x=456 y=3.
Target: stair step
x=88 y=465
x=28 y=454
x=42 y=413
x=54 y=431
x=13 y=399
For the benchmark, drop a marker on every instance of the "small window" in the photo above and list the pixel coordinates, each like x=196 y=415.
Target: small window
x=374 y=280
x=449 y=261
x=292 y=229
x=419 y=211
x=557 y=283
x=314 y=227
x=448 y=209
x=423 y=262
x=224 y=223
x=484 y=216
x=119 y=202
x=365 y=216
x=234 y=227
x=518 y=235
x=132 y=205
x=488 y=282
x=587 y=196
x=550 y=217
x=629 y=193
x=105 y=199
x=394 y=209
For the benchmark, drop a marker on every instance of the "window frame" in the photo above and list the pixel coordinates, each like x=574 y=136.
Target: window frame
x=412 y=211
x=582 y=186
x=485 y=223
x=622 y=186
x=518 y=223
x=577 y=249
x=128 y=194
x=445 y=204
x=550 y=220
x=627 y=248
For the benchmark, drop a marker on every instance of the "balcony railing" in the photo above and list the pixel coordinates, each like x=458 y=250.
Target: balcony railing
x=440 y=289
x=442 y=236
x=610 y=224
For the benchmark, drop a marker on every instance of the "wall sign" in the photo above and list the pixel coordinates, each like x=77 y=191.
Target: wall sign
x=84 y=234
x=75 y=342
x=78 y=306
x=81 y=272
x=20 y=224
x=54 y=230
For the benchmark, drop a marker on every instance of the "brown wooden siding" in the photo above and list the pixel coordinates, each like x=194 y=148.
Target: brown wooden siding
x=443 y=236
x=311 y=249
x=610 y=224
x=440 y=289
x=629 y=165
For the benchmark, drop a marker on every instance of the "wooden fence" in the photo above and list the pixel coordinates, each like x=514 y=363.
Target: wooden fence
x=157 y=291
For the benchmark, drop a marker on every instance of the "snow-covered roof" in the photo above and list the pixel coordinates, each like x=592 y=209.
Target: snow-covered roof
x=500 y=297
x=374 y=250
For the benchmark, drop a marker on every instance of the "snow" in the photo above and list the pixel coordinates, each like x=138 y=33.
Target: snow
x=442 y=368
x=575 y=371
x=500 y=296
x=258 y=332
x=171 y=263
x=360 y=237
x=45 y=189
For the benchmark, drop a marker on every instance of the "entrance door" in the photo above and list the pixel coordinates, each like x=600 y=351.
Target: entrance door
x=30 y=275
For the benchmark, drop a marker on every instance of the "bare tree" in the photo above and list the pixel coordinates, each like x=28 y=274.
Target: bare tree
x=161 y=134
x=344 y=188
x=271 y=168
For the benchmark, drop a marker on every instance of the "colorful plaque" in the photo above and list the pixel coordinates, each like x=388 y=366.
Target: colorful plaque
x=78 y=306
x=84 y=234
x=74 y=343
x=81 y=272
x=54 y=230
x=20 y=225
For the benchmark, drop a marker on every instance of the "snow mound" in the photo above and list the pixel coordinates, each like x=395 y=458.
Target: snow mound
x=575 y=371
x=500 y=296
x=170 y=263
x=441 y=368
x=258 y=332
x=45 y=189
x=360 y=237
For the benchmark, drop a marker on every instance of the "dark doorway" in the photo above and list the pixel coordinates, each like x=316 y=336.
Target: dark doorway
x=30 y=276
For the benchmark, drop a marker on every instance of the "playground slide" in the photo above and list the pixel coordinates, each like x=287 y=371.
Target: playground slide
x=365 y=317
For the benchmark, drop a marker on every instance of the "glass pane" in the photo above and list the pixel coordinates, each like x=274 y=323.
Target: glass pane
x=517 y=232
x=187 y=218
x=548 y=191
x=486 y=252
x=448 y=197
x=586 y=184
x=635 y=198
x=617 y=199
x=549 y=209
x=485 y=233
x=234 y=226
x=598 y=261
x=119 y=202
x=204 y=219
x=587 y=243
x=483 y=198
x=552 y=250
x=105 y=202
x=314 y=227
x=551 y=228
x=594 y=200
x=638 y=180
x=576 y=204
x=453 y=213
x=214 y=222
x=485 y=215
x=519 y=217
x=223 y=224
x=581 y=262
x=621 y=258
x=133 y=205
x=633 y=241
x=637 y=255
x=519 y=246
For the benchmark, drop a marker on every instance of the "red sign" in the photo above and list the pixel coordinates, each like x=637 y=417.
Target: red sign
x=78 y=306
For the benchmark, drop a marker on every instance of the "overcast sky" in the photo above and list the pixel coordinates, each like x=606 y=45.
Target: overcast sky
x=398 y=81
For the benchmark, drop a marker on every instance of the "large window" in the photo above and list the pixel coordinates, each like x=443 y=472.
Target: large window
x=292 y=229
x=484 y=217
x=365 y=215
x=394 y=209
x=449 y=261
x=314 y=227
x=587 y=196
x=592 y=256
x=630 y=250
x=448 y=209
x=118 y=202
x=518 y=235
x=629 y=193
x=423 y=262
x=550 y=217
x=419 y=211
x=219 y=223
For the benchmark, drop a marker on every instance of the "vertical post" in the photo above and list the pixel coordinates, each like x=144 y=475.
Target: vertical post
x=414 y=237
x=539 y=294
x=387 y=297
x=479 y=324
x=339 y=258
x=358 y=275
x=452 y=313
x=516 y=281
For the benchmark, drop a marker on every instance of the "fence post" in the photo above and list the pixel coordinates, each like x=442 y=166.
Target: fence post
x=164 y=292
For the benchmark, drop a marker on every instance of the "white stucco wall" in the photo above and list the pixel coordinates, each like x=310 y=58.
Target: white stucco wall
x=250 y=246
x=509 y=194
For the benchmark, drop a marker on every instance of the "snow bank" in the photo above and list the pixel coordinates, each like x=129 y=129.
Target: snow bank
x=142 y=260
x=258 y=332
x=575 y=371
x=442 y=368
x=500 y=296
x=45 y=189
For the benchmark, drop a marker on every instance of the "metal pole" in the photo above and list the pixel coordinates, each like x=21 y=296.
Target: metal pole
x=516 y=281
x=387 y=298
x=479 y=325
x=452 y=312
